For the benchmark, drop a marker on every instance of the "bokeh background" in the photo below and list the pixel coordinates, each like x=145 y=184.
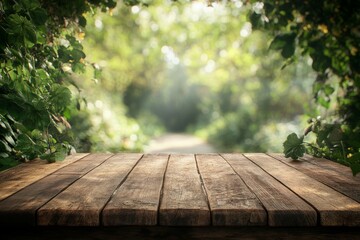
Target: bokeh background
x=189 y=68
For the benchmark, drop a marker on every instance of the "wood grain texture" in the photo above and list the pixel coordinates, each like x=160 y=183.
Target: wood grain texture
x=335 y=209
x=331 y=165
x=81 y=203
x=207 y=190
x=20 y=208
x=284 y=208
x=344 y=183
x=85 y=164
x=184 y=202
x=136 y=201
x=231 y=201
x=16 y=178
x=21 y=170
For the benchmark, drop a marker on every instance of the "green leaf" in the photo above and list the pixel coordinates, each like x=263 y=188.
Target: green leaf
x=24 y=143
x=317 y=86
x=74 y=42
x=255 y=20
x=29 y=4
x=320 y=61
x=294 y=146
x=14 y=20
x=321 y=137
x=39 y=16
x=30 y=34
x=4 y=155
x=21 y=27
x=281 y=40
x=325 y=102
x=43 y=75
x=60 y=97
x=4 y=146
x=354 y=161
x=78 y=67
x=59 y=154
x=77 y=55
x=288 y=50
x=111 y=4
x=9 y=139
x=30 y=148
x=284 y=42
x=82 y=21
x=277 y=43
x=287 y=63
x=328 y=90
x=64 y=54
x=7 y=129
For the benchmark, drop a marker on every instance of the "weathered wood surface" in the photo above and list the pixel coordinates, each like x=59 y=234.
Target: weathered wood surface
x=82 y=202
x=207 y=190
x=21 y=207
x=344 y=183
x=231 y=201
x=284 y=207
x=183 y=202
x=14 y=179
x=334 y=208
x=136 y=202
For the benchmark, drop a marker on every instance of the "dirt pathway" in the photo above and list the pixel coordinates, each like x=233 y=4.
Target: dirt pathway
x=179 y=143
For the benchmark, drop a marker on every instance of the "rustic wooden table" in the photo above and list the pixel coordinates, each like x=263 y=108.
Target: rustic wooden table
x=245 y=193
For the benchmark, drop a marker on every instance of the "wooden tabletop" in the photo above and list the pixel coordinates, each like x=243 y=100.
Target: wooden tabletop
x=131 y=189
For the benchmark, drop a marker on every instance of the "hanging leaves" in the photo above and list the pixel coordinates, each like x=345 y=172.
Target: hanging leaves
x=327 y=31
x=285 y=43
x=33 y=83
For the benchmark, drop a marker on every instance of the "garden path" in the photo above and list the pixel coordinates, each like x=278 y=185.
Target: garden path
x=179 y=143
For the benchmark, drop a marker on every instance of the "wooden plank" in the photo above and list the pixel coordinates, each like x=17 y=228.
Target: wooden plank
x=22 y=169
x=346 y=184
x=81 y=203
x=16 y=178
x=85 y=164
x=284 y=208
x=183 y=202
x=20 y=208
x=136 y=201
x=335 y=209
x=231 y=201
x=331 y=165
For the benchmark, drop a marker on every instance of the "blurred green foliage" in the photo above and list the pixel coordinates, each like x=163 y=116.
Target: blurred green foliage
x=327 y=31
x=214 y=68
x=193 y=67
x=39 y=50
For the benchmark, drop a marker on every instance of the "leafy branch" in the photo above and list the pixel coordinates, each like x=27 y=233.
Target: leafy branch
x=39 y=50
x=328 y=32
x=329 y=143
